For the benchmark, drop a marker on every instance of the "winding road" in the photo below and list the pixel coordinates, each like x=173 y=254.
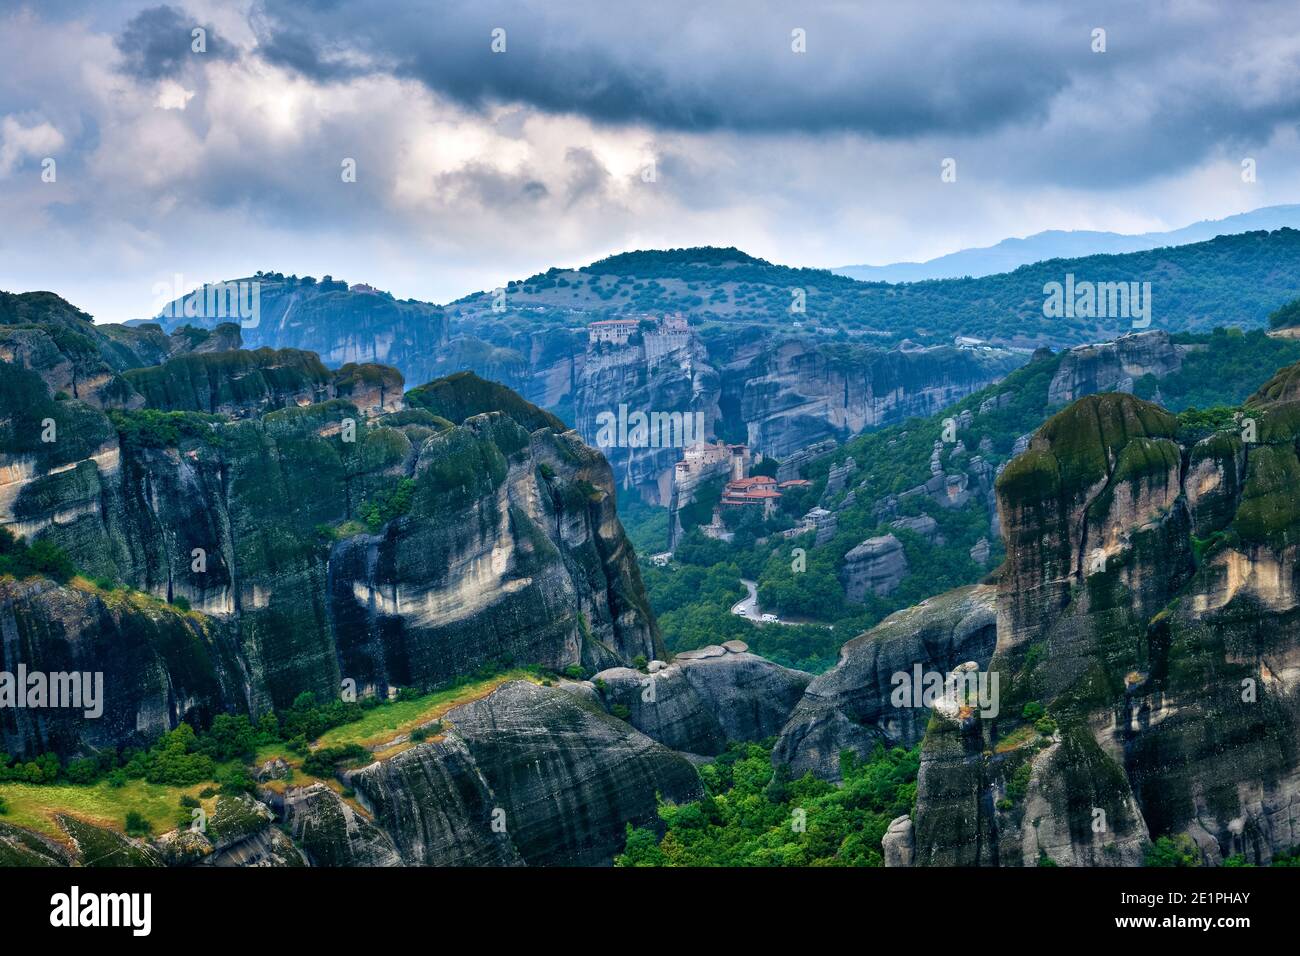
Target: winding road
x=748 y=606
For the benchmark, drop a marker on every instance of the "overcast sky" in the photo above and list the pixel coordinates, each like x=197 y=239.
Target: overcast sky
x=474 y=167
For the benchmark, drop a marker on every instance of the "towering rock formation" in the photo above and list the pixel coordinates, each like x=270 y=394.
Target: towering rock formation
x=343 y=324
x=797 y=392
x=675 y=391
x=850 y=708
x=1147 y=644
x=1113 y=366
x=706 y=697
x=395 y=548
x=567 y=777
x=875 y=566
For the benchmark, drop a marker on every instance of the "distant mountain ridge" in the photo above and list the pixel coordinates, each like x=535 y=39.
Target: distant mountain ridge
x=1011 y=254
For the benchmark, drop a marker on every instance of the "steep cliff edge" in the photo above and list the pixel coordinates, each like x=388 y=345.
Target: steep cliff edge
x=1147 y=644
x=1117 y=365
x=343 y=324
x=797 y=392
x=394 y=549
x=849 y=707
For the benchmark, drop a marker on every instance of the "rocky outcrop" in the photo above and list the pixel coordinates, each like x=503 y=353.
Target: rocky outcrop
x=853 y=706
x=1112 y=366
x=877 y=565
x=333 y=831
x=524 y=775
x=1147 y=644
x=749 y=696
x=569 y=777
x=663 y=706
x=438 y=807
x=342 y=324
x=240 y=833
x=676 y=393
x=41 y=333
x=23 y=848
x=414 y=553
x=898 y=845
x=143 y=666
x=923 y=526
x=706 y=698
x=797 y=392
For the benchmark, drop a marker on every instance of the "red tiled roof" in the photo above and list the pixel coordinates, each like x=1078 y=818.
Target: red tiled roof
x=755 y=493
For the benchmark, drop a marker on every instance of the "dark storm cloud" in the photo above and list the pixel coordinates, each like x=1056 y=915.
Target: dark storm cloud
x=1176 y=83
x=158 y=43
x=698 y=68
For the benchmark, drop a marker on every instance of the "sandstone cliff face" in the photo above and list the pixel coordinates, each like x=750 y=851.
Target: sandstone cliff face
x=797 y=392
x=42 y=333
x=706 y=698
x=526 y=775
x=1113 y=366
x=1164 y=664
x=570 y=777
x=244 y=384
x=679 y=384
x=877 y=565
x=159 y=665
x=486 y=544
x=343 y=325
x=435 y=802
x=850 y=708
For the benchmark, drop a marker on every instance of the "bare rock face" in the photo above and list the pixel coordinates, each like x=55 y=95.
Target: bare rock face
x=156 y=666
x=797 y=393
x=898 y=844
x=877 y=565
x=1113 y=366
x=680 y=389
x=525 y=775
x=437 y=806
x=663 y=706
x=568 y=776
x=749 y=696
x=333 y=832
x=707 y=698
x=850 y=707
x=1147 y=647
x=922 y=525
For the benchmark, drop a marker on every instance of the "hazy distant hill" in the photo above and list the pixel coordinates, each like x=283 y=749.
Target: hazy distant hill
x=1011 y=254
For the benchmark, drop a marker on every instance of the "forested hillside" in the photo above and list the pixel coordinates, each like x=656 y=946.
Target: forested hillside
x=1230 y=280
